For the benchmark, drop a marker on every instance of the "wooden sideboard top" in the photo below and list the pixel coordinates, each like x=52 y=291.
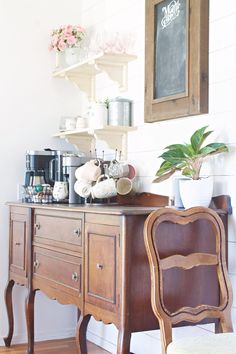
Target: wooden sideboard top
x=113 y=209
x=141 y=204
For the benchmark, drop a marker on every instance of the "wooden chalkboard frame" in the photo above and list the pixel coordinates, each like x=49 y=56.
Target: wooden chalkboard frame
x=194 y=99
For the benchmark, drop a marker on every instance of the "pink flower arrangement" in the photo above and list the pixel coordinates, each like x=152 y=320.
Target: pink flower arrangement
x=66 y=37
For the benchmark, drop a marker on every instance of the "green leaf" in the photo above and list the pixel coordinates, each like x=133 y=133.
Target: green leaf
x=185 y=148
x=173 y=156
x=164 y=176
x=214 y=148
x=165 y=166
x=188 y=172
x=206 y=150
x=174 y=146
x=197 y=138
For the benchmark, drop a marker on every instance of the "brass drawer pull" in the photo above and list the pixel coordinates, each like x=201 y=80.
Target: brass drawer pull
x=36 y=264
x=17 y=243
x=99 y=266
x=77 y=232
x=37 y=225
x=74 y=276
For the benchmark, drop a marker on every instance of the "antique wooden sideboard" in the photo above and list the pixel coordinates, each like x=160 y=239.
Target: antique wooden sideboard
x=93 y=257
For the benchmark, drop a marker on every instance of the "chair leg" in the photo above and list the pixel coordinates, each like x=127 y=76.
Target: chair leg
x=166 y=334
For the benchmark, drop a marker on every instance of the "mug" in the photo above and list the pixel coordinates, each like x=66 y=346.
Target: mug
x=117 y=169
x=132 y=172
x=104 y=188
x=60 y=190
x=83 y=188
x=125 y=186
x=70 y=123
x=90 y=171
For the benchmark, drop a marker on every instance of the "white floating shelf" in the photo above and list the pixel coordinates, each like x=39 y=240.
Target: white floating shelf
x=83 y=73
x=85 y=139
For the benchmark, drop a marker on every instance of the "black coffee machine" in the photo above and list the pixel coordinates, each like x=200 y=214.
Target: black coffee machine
x=39 y=167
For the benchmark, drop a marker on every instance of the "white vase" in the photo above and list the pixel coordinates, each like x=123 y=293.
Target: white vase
x=60 y=60
x=97 y=115
x=72 y=55
x=196 y=192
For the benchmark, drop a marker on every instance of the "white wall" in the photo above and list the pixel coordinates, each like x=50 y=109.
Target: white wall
x=146 y=144
x=32 y=103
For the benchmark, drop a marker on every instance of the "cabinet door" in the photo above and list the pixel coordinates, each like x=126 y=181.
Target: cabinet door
x=102 y=266
x=19 y=236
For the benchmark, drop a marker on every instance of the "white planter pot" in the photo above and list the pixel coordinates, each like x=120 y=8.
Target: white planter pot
x=72 y=55
x=196 y=192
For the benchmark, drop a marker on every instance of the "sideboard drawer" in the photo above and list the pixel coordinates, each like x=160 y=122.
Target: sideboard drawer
x=60 y=270
x=53 y=229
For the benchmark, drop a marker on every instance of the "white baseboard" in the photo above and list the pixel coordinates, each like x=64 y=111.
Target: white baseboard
x=102 y=342
x=42 y=336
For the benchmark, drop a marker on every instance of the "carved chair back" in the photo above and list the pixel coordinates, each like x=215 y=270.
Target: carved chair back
x=186 y=225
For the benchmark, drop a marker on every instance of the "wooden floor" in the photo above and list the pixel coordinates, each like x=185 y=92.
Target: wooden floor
x=63 y=346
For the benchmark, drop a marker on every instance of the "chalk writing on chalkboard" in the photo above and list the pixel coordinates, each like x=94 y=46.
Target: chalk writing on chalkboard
x=171 y=31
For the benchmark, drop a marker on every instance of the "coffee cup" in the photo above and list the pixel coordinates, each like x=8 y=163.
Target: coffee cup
x=126 y=186
x=70 y=123
x=83 y=188
x=132 y=172
x=90 y=171
x=104 y=188
x=60 y=190
x=117 y=169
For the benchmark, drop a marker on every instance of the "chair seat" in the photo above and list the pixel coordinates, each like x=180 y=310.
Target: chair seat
x=223 y=343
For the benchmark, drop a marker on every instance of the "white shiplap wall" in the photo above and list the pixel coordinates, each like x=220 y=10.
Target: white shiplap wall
x=148 y=141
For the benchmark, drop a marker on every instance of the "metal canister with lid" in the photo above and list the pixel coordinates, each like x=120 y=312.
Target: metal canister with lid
x=120 y=111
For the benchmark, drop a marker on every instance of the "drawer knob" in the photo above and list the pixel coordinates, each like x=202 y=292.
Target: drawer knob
x=37 y=225
x=17 y=243
x=77 y=232
x=99 y=266
x=36 y=264
x=74 y=276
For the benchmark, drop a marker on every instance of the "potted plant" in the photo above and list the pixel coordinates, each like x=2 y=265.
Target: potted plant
x=67 y=39
x=188 y=159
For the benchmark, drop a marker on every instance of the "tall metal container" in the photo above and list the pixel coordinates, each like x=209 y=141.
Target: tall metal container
x=120 y=112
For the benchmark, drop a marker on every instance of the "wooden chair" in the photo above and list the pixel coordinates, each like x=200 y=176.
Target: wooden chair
x=182 y=224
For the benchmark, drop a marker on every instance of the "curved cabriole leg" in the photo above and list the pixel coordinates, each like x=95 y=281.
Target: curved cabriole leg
x=8 y=302
x=123 y=346
x=29 y=312
x=81 y=330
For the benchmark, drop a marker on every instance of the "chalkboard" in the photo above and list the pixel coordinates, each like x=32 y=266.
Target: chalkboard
x=171 y=45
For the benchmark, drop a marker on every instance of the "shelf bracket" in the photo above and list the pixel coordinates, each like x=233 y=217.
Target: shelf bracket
x=115 y=140
x=117 y=72
x=85 y=82
x=85 y=143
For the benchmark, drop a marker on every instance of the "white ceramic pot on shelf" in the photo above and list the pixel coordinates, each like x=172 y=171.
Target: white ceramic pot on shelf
x=196 y=192
x=72 y=55
x=97 y=115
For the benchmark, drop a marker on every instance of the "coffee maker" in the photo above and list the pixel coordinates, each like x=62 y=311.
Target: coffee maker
x=70 y=162
x=50 y=166
x=38 y=167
